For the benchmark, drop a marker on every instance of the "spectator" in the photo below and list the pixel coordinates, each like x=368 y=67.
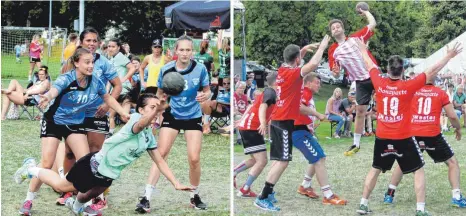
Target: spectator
x=126 y=48
x=240 y=102
x=219 y=103
x=71 y=47
x=347 y=108
x=223 y=47
x=333 y=113
x=204 y=58
x=370 y=116
x=459 y=103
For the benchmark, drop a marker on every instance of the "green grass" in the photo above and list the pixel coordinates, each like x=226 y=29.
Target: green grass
x=346 y=177
x=20 y=139
x=13 y=70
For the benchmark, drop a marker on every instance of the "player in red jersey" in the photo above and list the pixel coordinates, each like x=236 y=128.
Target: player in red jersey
x=310 y=148
x=253 y=127
x=345 y=54
x=426 y=109
x=393 y=112
x=289 y=86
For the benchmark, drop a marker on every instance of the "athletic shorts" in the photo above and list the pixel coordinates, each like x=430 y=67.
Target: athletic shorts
x=281 y=146
x=364 y=90
x=437 y=147
x=406 y=152
x=96 y=125
x=83 y=178
x=33 y=60
x=181 y=124
x=18 y=55
x=50 y=129
x=307 y=144
x=253 y=141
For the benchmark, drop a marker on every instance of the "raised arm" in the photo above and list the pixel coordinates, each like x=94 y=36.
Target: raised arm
x=370 y=19
x=143 y=66
x=314 y=62
x=451 y=53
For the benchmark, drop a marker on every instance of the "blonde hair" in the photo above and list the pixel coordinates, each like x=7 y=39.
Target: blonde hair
x=335 y=93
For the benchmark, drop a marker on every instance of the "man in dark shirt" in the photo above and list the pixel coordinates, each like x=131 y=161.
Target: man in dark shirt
x=347 y=108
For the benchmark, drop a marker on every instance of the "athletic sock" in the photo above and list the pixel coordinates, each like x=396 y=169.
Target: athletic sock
x=240 y=168
x=29 y=77
x=148 y=191
x=61 y=172
x=30 y=195
x=391 y=190
x=195 y=191
x=364 y=201
x=249 y=182
x=357 y=139
x=420 y=206
x=206 y=119
x=34 y=171
x=111 y=130
x=456 y=193
x=307 y=181
x=327 y=191
x=77 y=205
x=268 y=189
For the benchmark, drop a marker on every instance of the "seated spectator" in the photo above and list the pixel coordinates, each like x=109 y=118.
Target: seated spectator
x=450 y=90
x=18 y=95
x=333 y=113
x=219 y=103
x=459 y=103
x=371 y=115
x=347 y=107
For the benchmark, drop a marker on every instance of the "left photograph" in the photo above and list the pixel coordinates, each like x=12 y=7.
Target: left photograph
x=115 y=108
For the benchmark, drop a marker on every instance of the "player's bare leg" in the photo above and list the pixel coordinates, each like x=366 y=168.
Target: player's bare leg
x=358 y=128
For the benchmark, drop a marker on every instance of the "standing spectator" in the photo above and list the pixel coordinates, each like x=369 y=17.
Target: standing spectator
x=203 y=57
x=35 y=48
x=333 y=113
x=126 y=48
x=347 y=108
x=223 y=46
x=71 y=47
x=459 y=103
x=240 y=101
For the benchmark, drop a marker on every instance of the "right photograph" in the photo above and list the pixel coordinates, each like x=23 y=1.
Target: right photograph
x=336 y=102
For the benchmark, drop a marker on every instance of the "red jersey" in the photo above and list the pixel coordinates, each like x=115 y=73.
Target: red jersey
x=394 y=103
x=250 y=119
x=306 y=101
x=240 y=102
x=426 y=108
x=348 y=56
x=289 y=86
x=36 y=53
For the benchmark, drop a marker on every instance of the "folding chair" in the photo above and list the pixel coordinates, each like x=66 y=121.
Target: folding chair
x=218 y=120
x=32 y=102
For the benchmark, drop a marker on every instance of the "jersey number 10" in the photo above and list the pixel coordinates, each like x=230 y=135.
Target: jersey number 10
x=424 y=108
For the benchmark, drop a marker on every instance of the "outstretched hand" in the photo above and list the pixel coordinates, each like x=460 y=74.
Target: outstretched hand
x=44 y=100
x=324 y=42
x=455 y=50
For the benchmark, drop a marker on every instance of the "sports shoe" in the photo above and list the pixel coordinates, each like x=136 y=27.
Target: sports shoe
x=143 y=206
x=64 y=196
x=26 y=208
x=309 y=192
x=388 y=199
x=422 y=213
x=351 y=151
x=246 y=193
x=334 y=200
x=265 y=204
x=363 y=210
x=460 y=203
x=272 y=198
x=22 y=173
x=196 y=203
x=335 y=135
x=99 y=203
x=84 y=210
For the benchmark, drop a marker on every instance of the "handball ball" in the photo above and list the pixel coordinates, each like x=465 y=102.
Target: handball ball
x=173 y=83
x=363 y=5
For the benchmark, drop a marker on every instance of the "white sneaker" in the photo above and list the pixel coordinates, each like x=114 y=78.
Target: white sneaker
x=22 y=173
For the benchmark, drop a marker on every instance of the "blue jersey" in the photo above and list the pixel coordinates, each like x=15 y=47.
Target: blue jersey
x=105 y=72
x=223 y=97
x=72 y=101
x=18 y=49
x=184 y=106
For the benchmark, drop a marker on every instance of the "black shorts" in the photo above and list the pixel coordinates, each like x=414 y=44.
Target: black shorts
x=33 y=60
x=253 y=142
x=96 y=125
x=82 y=177
x=179 y=124
x=282 y=142
x=406 y=152
x=364 y=90
x=437 y=147
x=50 y=129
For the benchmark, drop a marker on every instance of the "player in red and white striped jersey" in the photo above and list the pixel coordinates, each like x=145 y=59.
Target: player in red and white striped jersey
x=344 y=54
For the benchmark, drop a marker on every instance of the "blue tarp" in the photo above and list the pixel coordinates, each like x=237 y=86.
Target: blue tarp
x=198 y=15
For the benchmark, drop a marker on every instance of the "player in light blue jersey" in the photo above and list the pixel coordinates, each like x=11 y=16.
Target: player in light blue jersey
x=18 y=53
x=73 y=92
x=182 y=113
x=95 y=172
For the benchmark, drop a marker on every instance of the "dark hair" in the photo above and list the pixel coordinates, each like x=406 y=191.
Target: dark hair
x=333 y=22
x=86 y=31
x=395 y=65
x=73 y=36
x=133 y=58
x=271 y=78
x=182 y=38
x=142 y=100
x=311 y=77
x=46 y=69
x=77 y=54
x=133 y=93
x=204 y=47
x=118 y=42
x=290 y=53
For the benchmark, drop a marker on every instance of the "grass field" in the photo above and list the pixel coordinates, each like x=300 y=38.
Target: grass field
x=346 y=177
x=20 y=139
x=13 y=70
